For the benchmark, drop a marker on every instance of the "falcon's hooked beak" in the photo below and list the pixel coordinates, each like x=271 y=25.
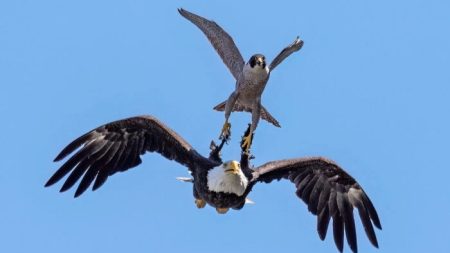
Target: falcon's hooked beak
x=260 y=61
x=232 y=167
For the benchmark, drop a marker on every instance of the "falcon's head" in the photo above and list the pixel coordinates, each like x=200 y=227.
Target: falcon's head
x=257 y=60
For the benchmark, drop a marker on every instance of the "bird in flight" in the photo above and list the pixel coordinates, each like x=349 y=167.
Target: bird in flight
x=328 y=191
x=251 y=77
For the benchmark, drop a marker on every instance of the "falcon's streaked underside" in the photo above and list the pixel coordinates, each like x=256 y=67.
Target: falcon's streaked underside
x=251 y=77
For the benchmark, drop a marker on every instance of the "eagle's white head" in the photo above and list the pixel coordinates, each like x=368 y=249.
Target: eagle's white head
x=227 y=178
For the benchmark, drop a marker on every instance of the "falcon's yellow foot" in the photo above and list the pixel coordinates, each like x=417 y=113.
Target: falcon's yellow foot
x=247 y=143
x=200 y=203
x=222 y=210
x=225 y=133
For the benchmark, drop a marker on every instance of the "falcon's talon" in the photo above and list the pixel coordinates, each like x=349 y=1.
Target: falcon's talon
x=200 y=203
x=247 y=143
x=225 y=133
x=222 y=210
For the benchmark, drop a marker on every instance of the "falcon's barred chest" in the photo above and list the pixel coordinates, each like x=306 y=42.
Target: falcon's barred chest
x=253 y=81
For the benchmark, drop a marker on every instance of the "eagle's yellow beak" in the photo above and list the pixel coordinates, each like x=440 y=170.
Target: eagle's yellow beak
x=232 y=167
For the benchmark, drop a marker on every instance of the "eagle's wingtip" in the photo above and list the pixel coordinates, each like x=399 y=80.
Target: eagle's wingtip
x=50 y=182
x=77 y=194
x=58 y=158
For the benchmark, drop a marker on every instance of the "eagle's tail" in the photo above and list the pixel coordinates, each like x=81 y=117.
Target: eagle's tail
x=265 y=115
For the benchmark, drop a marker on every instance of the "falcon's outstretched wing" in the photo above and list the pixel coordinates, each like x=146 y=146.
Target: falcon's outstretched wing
x=294 y=47
x=221 y=41
x=117 y=146
x=329 y=192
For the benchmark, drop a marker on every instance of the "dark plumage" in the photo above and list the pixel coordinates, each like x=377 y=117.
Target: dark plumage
x=117 y=146
x=328 y=191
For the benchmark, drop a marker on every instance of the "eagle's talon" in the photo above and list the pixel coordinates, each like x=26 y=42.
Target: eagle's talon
x=222 y=210
x=246 y=144
x=200 y=203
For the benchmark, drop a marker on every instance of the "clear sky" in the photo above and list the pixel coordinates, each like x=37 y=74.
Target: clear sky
x=369 y=89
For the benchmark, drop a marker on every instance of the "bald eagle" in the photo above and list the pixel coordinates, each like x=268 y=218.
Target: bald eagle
x=328 y=191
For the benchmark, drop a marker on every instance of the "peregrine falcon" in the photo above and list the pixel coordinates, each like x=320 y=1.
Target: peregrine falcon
x=251 y=77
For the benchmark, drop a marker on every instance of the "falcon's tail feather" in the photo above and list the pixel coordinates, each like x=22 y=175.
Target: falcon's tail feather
x=265 y=115
x=220 y=107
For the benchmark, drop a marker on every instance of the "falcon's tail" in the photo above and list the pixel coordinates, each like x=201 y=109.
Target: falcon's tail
x=265 y=115
x=220 y=107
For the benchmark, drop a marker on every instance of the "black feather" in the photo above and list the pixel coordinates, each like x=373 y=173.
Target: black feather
x=73 y=145
x=129 y=155
x=69 y=164
x=346 y=211
x=110 y=168
x=302 y=184
x=103 y=172
x=89 y=176
x=315 y=194
x=308 y=188
x=298 y=177
x=338 y=232
x=365 y=219
x=332 y=206
x=323 y=219
x=324 y=196
x=75 y=175
x=371 y=210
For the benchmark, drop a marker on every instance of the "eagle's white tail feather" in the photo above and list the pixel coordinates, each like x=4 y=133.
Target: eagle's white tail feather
x=249 y=201
x=185 y=179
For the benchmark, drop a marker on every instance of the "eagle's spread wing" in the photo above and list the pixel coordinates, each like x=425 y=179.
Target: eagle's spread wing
x=329 y=192
x=294 y=47
x=221 y=41
x=117 y=146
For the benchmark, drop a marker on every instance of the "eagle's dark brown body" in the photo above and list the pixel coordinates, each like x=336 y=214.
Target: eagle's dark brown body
x=329 y=192
x=216 y=199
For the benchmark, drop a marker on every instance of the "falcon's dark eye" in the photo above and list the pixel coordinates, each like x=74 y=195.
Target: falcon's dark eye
x=252 y=61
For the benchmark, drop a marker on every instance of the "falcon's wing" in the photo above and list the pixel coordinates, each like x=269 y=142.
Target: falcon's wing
x=294 y=47
x=221 y=41
x=117 y=146
x=329 y=192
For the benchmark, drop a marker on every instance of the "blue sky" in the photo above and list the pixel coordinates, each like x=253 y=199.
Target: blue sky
x=369 y=89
